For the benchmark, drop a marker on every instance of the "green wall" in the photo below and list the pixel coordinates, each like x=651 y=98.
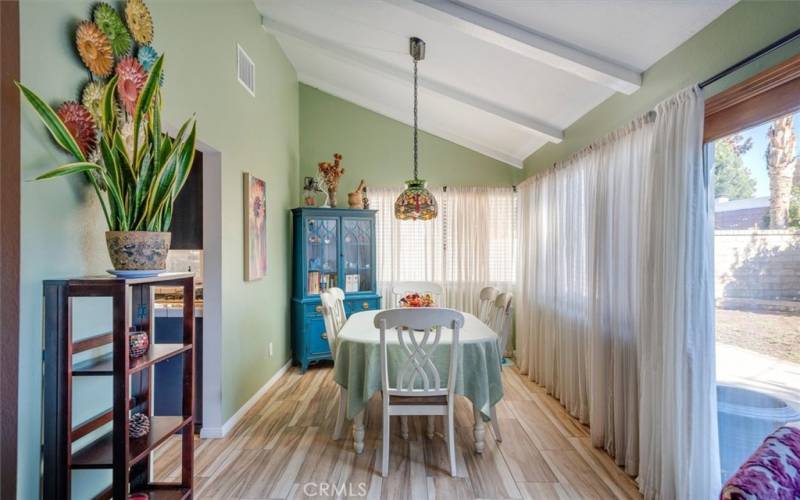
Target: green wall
x=745 y=28
x=378 y=149
x=268 y=136
x=62 y=226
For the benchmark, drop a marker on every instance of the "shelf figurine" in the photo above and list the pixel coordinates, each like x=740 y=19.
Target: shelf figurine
x=356 y=198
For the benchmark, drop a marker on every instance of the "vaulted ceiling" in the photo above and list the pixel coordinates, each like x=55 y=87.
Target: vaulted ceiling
x=501 y=77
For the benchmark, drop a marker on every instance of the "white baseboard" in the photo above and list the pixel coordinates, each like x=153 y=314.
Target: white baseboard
x=220 y=432
x=211 y=432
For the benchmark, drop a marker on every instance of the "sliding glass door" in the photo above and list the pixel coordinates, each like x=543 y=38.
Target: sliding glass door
x=757 y=275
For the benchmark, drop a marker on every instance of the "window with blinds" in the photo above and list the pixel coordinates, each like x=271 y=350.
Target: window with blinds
x=503 y=238
x=472 y=242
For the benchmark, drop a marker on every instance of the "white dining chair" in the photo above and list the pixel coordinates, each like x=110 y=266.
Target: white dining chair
x=401 y=288
x=499 y=320
x=334 y=317
x=487 y=297
x=338 y=294
x=418 y=388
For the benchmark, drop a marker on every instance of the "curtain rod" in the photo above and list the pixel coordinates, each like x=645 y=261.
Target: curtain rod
x=444 y=188
x=752 y=57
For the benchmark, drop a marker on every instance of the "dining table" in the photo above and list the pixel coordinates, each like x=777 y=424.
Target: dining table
x=357 y=367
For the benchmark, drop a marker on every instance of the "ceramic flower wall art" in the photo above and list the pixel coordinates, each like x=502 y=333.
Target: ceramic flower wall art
x=148 y=56
x=139 y=21
x=109 y=22
x=114 y=115
x=80 y=124
x=91 y=97
x=109 y=45
x=126 y=131
x=94 y=49
x=131 y=77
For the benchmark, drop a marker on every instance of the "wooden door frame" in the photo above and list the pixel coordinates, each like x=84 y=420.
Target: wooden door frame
x=9 y=243
x=772 y=93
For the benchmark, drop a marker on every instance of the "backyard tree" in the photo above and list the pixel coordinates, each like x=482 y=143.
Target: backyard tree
x=781 y=162
x=732 y=179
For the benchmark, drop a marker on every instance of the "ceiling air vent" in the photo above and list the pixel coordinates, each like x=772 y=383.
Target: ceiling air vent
x=245 y=70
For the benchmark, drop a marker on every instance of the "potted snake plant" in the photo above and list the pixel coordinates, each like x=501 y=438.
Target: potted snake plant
x=135 y=168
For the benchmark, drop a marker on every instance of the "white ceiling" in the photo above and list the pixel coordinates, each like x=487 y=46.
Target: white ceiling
x=501 y=77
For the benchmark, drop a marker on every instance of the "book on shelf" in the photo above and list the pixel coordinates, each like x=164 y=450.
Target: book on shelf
x=313 y=282
x=351 y=283
x=318 y=282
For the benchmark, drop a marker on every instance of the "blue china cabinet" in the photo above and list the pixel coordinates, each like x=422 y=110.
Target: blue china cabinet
x=333 y=247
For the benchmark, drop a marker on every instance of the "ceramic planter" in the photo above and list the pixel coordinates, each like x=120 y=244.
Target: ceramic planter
x=138 y=250
x=355 y=200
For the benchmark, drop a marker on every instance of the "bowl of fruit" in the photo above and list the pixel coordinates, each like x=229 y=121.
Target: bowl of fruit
x=417 y=300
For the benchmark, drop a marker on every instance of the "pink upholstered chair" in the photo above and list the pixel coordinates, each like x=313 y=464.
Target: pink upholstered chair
x=772 y=472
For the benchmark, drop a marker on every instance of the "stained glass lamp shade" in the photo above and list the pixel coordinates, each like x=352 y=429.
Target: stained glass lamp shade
x=416 y=202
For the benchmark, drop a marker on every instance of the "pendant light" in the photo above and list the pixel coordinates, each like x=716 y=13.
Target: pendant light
x=416 y=202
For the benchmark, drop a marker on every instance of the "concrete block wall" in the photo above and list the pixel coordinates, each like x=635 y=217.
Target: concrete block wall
x=757 y=264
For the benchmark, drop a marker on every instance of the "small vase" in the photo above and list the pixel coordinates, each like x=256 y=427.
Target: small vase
x=138 y=250
x=332 y=197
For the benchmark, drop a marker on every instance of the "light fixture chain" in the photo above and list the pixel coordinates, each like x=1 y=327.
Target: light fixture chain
x=416 y=113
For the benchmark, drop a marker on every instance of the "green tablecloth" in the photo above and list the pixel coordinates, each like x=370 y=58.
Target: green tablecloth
x=358 y=362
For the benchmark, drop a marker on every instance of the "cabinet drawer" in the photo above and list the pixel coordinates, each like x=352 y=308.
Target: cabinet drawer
x=312 y=308
x=357 y=305
x=316 y=341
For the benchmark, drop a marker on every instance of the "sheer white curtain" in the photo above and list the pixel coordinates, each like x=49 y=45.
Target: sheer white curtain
x=471 y=244
x=615 y=297
x=679 y=449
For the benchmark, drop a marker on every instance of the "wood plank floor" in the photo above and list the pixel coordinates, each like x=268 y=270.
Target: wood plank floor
x=283 y=448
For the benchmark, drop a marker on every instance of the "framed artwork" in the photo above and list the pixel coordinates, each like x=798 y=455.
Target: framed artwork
x=255 y=227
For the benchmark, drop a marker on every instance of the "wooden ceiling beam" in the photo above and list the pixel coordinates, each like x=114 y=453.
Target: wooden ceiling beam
x=537 y=47
x=342 y=52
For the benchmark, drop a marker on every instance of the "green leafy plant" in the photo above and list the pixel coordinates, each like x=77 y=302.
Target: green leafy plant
x=137 y=184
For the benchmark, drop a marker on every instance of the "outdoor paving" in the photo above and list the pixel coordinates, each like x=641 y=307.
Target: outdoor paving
x=746 y=368
x=760 y=350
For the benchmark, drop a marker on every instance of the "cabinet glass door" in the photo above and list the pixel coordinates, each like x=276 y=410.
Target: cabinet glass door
x=322 y=255
x=357 y=250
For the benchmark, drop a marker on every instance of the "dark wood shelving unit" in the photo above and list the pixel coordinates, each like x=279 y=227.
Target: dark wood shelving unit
x=126 y=457
x=104 y=365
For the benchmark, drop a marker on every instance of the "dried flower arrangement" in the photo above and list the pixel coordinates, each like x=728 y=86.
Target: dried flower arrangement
x=331 y=172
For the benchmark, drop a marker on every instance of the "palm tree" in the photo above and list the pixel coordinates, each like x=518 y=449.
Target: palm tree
x=781 y=162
